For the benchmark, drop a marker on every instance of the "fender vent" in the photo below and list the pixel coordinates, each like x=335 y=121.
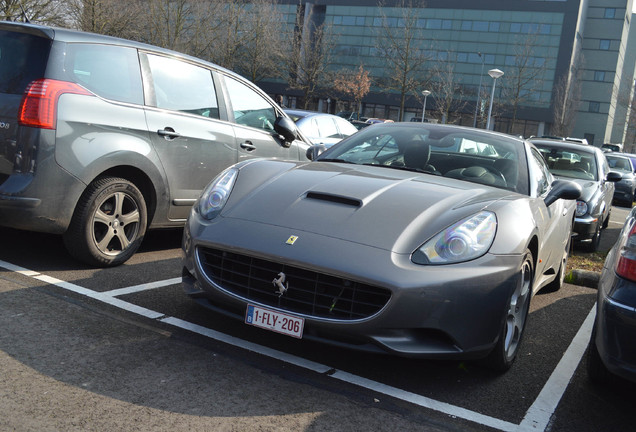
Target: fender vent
x=334 y=199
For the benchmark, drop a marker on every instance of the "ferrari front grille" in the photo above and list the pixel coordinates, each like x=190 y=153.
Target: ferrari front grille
x=306 y=292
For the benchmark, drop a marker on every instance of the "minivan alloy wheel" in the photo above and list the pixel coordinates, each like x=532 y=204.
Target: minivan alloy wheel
x=108 y=224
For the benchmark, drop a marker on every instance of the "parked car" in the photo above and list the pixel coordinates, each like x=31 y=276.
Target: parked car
x=104 y=137
x=586 y=165
x=378 y=120
x=413 y=239
x=612 y=352
x=321 y=128
x=612 y=147
x=350 y=115
x=624 y=189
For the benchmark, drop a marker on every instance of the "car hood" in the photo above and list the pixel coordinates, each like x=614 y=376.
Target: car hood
x=378 y=207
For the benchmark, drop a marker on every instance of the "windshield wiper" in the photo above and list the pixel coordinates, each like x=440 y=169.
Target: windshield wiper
x=335 y=160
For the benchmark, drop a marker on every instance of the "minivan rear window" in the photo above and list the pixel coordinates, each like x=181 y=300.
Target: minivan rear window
x=23 y=59
x=111 y=72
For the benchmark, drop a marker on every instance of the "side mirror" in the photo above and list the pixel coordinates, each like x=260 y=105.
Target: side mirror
x=614 y=176
x=315 y=150
x=562 y=189
x=286 y=128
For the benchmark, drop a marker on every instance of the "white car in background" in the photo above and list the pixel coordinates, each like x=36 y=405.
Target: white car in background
x=321 y=128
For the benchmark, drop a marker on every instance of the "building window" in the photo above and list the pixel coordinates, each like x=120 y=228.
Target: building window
x=610 y=13
x=595 y=107
x=604 y=44
x=480 y=26
x=599 y=76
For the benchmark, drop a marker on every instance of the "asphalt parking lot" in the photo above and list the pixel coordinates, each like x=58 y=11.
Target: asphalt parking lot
x=124 y=349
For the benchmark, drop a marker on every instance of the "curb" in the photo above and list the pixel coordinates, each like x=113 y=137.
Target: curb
x=584 y=278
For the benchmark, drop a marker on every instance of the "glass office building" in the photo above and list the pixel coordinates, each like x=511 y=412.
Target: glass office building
x=554 y=37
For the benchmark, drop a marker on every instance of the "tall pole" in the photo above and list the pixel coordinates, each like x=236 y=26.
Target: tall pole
x=494 y=74
x=478 y=98
x=425 y=93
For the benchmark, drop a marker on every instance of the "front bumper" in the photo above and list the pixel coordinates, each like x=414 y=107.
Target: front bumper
x=623 y=193
x=452 y=311
x=585 y=227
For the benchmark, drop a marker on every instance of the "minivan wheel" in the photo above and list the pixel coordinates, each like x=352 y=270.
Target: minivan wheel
x=503 y=355
x=109 y=223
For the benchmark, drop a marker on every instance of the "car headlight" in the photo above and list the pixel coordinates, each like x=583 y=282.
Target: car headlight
x=468 y=239
x=215 y=196
x=581 y=208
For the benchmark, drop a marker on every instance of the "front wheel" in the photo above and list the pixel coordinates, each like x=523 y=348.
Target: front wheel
x=505 y=352
x=594 y=243
x=109 y=223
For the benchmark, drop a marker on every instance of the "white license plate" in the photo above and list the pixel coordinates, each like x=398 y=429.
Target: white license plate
x=274 y=321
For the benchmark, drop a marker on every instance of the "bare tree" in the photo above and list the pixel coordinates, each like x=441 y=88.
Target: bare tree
x=106 y=17
x=355 y=84
x=524 y=78
x=312 y=43
x=37 y=11
x=399 y=44
x=446 y=88
x=567 y=98
x=262 y=49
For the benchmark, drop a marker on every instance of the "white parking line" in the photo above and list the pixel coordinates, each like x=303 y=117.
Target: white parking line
x=536 y=419
x=143 y=287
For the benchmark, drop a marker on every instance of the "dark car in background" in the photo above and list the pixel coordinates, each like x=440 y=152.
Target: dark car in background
x=103 y=137
x=586 y=165
x=321 y=128
x=624 y=189
x=612 y=348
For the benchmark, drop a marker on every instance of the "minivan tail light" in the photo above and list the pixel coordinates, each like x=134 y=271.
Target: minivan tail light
x=626 y=263
x=39 y=103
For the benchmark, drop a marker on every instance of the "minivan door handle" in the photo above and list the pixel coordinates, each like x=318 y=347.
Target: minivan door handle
x=168 y=133
x=248 y=146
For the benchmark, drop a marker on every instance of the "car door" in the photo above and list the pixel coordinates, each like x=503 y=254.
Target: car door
x=187 y=127
x=254 y=115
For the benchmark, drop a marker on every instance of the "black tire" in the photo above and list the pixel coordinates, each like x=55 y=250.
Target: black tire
x=593 y=244
x=503 y=355
x=606 y=220
x=109 y=223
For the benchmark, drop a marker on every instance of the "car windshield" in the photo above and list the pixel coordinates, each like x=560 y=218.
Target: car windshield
x=570 y=162
x=450 y=151
x=619 y=163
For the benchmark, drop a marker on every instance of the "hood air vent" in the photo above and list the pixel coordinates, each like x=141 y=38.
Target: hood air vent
x=334 y=199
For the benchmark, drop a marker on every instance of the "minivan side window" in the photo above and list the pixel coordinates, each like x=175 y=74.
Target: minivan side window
x=249 y=107
x=184 y=87
x=111 y=72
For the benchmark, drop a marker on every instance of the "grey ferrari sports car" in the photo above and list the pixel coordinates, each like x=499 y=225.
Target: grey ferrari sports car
x=414 y=239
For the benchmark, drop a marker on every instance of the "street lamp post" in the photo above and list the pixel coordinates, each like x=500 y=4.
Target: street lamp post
x=478 y=98
x=494 y=74
x=425 y=93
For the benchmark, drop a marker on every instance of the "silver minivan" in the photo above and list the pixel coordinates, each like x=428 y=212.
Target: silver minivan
x=102 y=138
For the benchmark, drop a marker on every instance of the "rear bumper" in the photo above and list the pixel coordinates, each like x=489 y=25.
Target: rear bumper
x=616 y=326
x=44 y=202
